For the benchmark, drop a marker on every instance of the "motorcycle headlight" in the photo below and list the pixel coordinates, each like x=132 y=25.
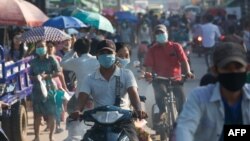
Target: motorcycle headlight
x=200 y=38
x=107 y=117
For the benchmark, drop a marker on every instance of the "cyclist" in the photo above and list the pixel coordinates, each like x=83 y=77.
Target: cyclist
x=165 y=58
x=226 y=102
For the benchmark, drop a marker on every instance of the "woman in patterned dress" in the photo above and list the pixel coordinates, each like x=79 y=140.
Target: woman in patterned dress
x=47 y=68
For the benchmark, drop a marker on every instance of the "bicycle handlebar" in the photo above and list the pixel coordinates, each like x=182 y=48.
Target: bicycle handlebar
x=182 y=76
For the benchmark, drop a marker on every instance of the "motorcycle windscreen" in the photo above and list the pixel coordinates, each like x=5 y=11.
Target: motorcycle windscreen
x=107 y=117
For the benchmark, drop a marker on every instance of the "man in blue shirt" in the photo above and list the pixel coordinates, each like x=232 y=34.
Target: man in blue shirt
x=226 y=102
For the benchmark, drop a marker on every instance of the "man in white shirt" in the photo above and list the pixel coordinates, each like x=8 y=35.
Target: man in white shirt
x=81 y=63
x=227 y=102
x=101 y=86
x=210 y=32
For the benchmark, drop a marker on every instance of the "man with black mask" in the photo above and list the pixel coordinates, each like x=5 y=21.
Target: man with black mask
x=227 y=102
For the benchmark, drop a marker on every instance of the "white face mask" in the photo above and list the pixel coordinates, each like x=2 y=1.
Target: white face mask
x=123 y=62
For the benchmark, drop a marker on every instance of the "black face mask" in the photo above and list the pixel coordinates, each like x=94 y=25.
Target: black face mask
x=232 y=81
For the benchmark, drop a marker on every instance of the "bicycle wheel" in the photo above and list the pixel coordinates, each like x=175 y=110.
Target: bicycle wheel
x=155 y=116
x=172 y=113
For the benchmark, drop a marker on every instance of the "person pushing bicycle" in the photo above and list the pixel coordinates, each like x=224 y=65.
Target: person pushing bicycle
x=165 y=59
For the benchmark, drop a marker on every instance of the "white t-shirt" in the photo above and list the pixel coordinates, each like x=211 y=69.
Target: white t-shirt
x=82 y=66
x=209 y=33
x=103 y=91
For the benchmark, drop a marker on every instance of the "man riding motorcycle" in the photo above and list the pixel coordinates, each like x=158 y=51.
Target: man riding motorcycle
x=101 y=86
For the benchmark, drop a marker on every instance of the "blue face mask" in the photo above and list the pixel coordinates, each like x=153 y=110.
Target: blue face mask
x=106 y=60
x=41 y=51
x=123 y=62
x=162 y=38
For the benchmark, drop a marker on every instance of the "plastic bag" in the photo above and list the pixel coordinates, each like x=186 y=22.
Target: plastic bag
x=143 y=134
x=43 y=86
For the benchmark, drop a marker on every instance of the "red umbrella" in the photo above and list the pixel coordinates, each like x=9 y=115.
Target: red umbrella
x=20 y=13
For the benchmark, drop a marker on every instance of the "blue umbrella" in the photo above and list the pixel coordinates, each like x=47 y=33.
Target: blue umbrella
x=64 y=22
x=125 y=16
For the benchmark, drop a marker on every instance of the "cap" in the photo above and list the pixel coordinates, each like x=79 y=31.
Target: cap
x=161 y=27
x=106 y=44
x=229 y=52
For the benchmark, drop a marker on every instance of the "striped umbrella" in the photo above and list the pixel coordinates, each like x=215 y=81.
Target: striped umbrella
x=44 y=33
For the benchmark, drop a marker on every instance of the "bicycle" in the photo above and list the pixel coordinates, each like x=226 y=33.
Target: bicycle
x=168 y=119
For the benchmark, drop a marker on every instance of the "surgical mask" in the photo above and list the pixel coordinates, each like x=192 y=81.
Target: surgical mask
x=106 y=60
x=232 y=81
x=123 y=62
x=41 y=51
x=162 y=38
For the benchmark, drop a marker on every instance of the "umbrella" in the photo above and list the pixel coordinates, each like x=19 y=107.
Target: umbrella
x=64 y=22
x=100 y=22
x=81 y=14
x=125 y=16
x=20 y=13
x=44 y=33
x=94 y=19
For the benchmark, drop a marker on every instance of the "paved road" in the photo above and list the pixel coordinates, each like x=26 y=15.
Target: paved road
x=198 y=65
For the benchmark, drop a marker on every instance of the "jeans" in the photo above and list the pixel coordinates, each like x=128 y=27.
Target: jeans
x=159 y=96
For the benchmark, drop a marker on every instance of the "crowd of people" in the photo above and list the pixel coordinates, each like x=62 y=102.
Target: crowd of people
x=92 y=61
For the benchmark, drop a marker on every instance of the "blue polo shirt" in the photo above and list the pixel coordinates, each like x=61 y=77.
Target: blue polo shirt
x=233 y=114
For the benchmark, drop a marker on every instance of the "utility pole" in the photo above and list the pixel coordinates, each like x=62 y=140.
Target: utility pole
x=119 y=5
x=100 y=5
x=74 y=2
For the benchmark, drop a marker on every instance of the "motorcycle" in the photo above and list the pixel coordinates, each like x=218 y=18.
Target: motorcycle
x=197 y=45
x=105 y=123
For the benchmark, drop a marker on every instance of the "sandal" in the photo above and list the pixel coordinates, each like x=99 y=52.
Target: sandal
x=58 y=130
